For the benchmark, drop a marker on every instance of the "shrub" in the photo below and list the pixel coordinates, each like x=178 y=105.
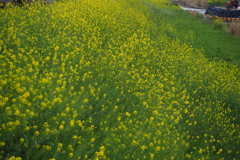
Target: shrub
x=217 y=2
x=219 y=25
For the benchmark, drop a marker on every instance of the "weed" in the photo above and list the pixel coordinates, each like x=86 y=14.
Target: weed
x=219 y=25
x=234 y=28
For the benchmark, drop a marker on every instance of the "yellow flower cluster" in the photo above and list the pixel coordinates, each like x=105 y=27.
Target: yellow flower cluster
x=99 y=79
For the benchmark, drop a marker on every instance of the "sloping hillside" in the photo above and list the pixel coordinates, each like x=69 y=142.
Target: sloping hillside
x=109 y=79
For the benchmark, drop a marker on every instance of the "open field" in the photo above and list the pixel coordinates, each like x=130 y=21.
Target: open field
x=116 y=79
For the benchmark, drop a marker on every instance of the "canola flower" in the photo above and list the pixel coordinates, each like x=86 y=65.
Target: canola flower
x=98 y=79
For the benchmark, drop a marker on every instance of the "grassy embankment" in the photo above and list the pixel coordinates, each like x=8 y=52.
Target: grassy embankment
x=217 y=44
x=232 y=27
x=104 y=79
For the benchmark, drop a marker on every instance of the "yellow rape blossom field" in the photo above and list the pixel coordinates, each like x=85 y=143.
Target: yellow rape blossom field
x=99 y=79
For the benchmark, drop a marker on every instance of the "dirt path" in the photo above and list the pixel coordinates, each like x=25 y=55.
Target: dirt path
x=201 y=11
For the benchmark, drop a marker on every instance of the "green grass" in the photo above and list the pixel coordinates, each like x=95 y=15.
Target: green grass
x=217 y=44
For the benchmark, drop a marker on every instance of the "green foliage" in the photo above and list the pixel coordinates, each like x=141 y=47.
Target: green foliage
x=216 y=44
x=219 y=25
x=217 y=2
